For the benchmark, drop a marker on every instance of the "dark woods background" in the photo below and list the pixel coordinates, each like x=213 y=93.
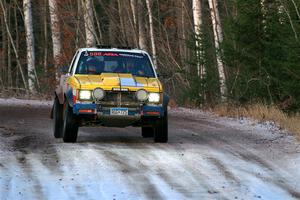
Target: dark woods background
x=259 y=50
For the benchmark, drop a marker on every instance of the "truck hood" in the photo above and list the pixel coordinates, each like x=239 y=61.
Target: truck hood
x=108 y=81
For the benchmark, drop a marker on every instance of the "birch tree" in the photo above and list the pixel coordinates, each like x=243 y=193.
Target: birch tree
x=134 y=11
x=149 y=8
x=29 y=44
x=133 y=5
x=13 y=46
x=142 y=34
x=122 y=23
x=89 y=23
x=197 y=16
x=218 y=38
x=55 y=29
x=181 y=28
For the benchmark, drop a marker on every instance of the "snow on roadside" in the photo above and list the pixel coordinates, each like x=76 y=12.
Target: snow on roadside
x=244 y=124
x=24 y=102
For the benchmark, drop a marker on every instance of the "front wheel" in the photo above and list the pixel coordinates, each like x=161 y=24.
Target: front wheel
x=147 y=132
x=57 y=118
x=161 y=129
x=70 y=126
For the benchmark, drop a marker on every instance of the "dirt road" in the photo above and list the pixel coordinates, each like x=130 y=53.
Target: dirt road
x=206 y=158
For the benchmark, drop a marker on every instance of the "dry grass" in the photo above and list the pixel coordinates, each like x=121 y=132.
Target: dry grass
x=262 y=113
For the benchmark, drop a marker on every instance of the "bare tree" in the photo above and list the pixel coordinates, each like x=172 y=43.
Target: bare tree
x=142 y=34
x=13 y=45
x=149 y=8
x=181 y=28
x=134 y=11
x=29 y=44
x=197 y=15
x=45 y=38
x=100 y=40
x=122 y=23
x=55 y=29
x=3 y=52
x=218 y=38
x=89 y=23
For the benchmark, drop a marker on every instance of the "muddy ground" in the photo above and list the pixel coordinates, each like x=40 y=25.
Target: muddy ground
x=206 y=158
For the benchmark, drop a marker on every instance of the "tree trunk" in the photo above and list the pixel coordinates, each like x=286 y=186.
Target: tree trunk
x=29 y=44
x=17 y=42
x=218 y=38
x=133 y=5
x=3 y=52
x=9 y=60
x=13 y=45
x=141 y=22
x=134 y=11
x=78 y=24
x=89 y=23
x=180 y=16
x=149 y=8
x=45 y=39
x=197 y=15
x=122 y=24
x=56 y=39
x=100 y=40
x=112 y=24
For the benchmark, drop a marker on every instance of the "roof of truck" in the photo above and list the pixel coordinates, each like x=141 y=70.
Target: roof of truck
x=114 y=50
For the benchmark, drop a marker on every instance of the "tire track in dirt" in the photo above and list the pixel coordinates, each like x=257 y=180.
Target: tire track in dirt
x=204 y=159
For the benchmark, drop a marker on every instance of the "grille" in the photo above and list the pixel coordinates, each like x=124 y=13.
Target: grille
x=119 y=99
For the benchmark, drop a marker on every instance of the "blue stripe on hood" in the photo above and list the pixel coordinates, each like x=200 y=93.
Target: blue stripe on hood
x=127 y=82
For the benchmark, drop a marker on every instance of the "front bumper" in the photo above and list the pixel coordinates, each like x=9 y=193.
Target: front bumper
x=100 y=111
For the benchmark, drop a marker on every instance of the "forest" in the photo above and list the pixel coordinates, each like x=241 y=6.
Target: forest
x=206 y=51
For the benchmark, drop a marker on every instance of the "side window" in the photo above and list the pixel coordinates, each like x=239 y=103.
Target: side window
x=72 y=63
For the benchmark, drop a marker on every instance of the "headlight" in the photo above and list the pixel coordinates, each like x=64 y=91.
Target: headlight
x=142 y=95
x=85 y=95
x=154 y=97
x=98 y=93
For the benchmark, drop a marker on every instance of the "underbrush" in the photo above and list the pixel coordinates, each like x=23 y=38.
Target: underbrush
x=261 y=113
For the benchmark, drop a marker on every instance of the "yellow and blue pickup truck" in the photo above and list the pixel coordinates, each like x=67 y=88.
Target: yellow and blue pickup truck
x=114 y=87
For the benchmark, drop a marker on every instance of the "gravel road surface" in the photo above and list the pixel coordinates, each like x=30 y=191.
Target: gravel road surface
x=206 y=158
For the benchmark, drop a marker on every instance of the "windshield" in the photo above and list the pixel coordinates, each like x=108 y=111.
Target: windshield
x=96 y=62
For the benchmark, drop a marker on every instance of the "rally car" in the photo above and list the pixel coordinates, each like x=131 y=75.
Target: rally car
x=115 y=87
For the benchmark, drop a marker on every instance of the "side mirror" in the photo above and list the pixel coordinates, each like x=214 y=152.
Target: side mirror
x=63 y=69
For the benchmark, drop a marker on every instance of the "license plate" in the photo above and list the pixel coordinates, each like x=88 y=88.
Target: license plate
x=119 y=111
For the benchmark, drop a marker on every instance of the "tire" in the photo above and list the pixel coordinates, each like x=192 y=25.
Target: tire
x=147 y=132
x=70 y=126
x=57 y=118
x=161 y=129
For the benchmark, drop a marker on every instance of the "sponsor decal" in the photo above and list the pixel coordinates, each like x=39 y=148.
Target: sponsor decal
x=103 y=54
x=131 y=55
x=97 y=53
